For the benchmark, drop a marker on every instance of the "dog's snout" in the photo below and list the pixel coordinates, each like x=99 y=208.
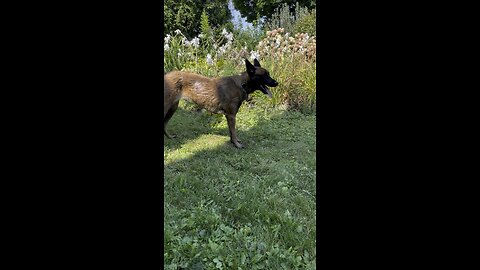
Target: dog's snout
x=273 y=83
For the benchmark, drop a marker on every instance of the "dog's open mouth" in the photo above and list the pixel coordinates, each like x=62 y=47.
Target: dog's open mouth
x=265 y=90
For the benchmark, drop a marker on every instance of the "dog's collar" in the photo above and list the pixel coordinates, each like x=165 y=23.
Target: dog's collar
x=246 y=90
x=245 y=87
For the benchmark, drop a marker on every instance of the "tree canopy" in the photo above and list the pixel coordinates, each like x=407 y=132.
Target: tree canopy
x=185 y=15
x=254 y=10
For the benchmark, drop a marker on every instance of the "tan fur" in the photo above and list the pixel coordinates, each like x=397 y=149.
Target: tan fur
x=219 y=95
x=201 y=90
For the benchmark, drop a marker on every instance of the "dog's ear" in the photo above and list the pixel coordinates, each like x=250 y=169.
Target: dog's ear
x=250 y=67
x=256 y=63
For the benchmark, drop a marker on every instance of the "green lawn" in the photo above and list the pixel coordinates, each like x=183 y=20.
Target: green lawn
x=252 y=208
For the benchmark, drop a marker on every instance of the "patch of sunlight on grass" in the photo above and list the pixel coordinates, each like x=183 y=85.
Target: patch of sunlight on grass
x=189 y=149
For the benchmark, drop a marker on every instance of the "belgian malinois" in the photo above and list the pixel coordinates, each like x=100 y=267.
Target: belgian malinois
x=220 y=95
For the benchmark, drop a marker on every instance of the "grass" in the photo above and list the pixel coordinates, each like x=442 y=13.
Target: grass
x=226 y=208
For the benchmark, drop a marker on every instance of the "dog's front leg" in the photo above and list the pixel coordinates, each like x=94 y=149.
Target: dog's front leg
x=233 y=132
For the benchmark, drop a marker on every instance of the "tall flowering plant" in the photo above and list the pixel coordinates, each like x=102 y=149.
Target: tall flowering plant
x=178 y=50
x=203 y=53
x=278 y=44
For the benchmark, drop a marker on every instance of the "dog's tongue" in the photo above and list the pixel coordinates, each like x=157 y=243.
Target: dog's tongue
x=266 y=91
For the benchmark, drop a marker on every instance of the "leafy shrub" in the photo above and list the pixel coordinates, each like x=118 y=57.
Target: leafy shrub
x=307 y=24
x=291 y=60
x=185 y=15
x=301 y=20
x=248 y=37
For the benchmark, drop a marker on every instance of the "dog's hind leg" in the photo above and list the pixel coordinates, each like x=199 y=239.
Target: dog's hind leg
x=167 y=117
x=233 y=132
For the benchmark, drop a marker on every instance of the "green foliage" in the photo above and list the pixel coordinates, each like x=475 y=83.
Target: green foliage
x=252 y=10
x=176 y=54
x=281 y=18
x=185 y=15
x=297 y=84
x=293 y=21
x=220 y=47
x=205 y=28
x=248 y=37
x=307 y=24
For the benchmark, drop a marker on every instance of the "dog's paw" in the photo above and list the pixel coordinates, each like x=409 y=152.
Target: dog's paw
x=170 y=136
x=238 y=145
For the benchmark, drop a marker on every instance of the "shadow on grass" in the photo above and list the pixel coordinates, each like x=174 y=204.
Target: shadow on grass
x=189 y=125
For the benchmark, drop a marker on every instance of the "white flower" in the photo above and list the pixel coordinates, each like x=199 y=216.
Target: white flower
x=201 y=36
x=254 y=55
x=178 y=32
x=167 y=38
x=209 y=59
x=221 y=50
x=305 y=38
x=185 y=42
x=229 y=37
x=224 y=32
x=179 y=54
x=227 y=45
x=166 y=47
x=195 y=42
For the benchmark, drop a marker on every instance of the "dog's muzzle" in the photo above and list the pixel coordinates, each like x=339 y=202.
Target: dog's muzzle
x=265 y=89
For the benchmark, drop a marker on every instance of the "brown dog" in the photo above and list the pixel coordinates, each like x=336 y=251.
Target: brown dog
x=220 y=95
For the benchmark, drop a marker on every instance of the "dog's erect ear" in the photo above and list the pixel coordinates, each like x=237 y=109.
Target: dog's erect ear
x=250 y=67
x=256 y=63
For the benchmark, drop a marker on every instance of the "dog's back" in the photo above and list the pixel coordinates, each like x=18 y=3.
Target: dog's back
x=193 y=87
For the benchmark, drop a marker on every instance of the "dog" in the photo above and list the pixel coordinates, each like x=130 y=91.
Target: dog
x=219 y=95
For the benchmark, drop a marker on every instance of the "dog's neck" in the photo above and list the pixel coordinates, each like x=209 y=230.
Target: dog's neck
x=246 y=88
x=244 y=79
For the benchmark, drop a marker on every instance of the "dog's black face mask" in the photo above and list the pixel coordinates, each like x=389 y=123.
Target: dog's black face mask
x=259 y=78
